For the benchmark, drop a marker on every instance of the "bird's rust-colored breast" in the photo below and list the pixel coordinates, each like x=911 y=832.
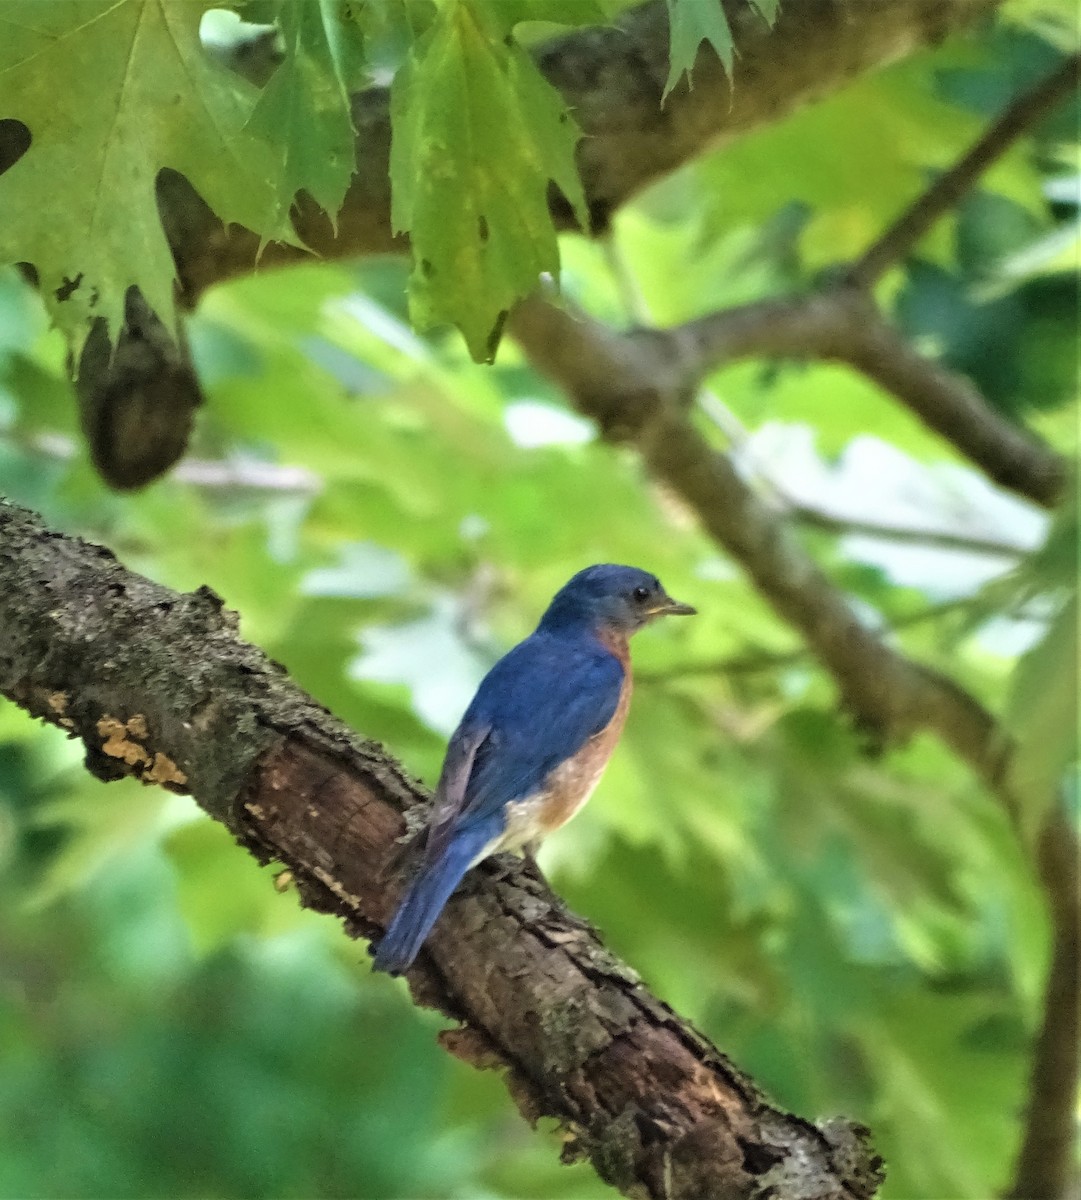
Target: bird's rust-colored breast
x=571 y=784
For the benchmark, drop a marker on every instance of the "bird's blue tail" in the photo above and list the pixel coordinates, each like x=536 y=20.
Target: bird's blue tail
x=423 y=900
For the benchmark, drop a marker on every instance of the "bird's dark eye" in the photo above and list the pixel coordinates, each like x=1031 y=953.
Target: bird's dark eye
x=641 y=594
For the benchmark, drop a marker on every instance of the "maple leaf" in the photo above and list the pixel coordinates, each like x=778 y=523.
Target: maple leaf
x=478 y=133
x=304 y=110
x=112 y=92
x=692 y=22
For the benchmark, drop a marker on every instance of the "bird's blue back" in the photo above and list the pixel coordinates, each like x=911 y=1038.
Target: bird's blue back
x=541 y=702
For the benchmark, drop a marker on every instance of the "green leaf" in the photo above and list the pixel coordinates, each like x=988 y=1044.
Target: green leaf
x=113 y=92
x=1053 y=566
x=1047 y=576
x=768 y=9
x=1055 y=21
x=390 y=28
x=1042 y=713
x=304 y=111
x=478 y=133
x=551 y=12
x=101 y=825
x=692 y=22
x=895 y=125
x=941 y=1056
x=208 y=868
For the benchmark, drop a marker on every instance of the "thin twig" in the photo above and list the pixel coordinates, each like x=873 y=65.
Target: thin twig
x=816 y=516
x=635 y=308
x=754 y=662
x=939 y=539
x=949 y=188
x=211 y=473
x=750 y=663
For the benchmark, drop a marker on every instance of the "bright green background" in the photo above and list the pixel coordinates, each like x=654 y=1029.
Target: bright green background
x=857 y=929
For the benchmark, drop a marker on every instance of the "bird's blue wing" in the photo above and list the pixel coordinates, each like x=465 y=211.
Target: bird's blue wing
x=536 y=707
x=451 y=792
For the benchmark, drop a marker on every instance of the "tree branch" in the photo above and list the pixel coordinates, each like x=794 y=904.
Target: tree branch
x=159 y=686
x=952 y=185
x=845 y=325
x=635 y=388
x=939 y=539
x=1046 y=1167
x=843 y=520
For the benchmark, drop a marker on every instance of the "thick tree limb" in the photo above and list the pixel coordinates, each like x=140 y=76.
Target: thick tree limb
x=159 y=686
x=636 y=388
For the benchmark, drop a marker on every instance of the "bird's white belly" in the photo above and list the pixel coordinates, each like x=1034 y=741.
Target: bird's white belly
x=532 y=819
x=523 y=825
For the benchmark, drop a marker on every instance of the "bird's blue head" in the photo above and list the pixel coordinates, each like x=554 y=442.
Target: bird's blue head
x=612 y=599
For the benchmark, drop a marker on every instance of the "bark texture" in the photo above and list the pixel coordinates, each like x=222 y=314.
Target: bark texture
x=158 y=685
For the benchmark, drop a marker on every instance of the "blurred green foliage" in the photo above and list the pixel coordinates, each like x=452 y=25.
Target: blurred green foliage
x=859 y=930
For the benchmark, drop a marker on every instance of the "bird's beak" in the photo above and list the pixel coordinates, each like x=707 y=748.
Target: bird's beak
x=672 y=608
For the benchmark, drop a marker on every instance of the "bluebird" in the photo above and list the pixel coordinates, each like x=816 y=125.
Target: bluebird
x=533 y=743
